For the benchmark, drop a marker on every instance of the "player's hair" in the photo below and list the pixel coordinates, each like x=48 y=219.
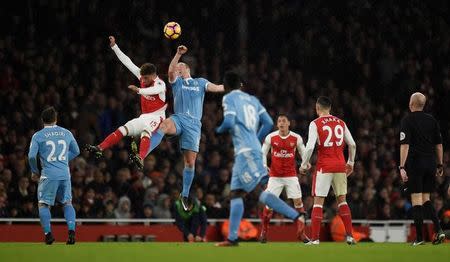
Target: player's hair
x=148 y=69
x=232 y=80
x=324 y=102
x=48 y=115
x=283 y=115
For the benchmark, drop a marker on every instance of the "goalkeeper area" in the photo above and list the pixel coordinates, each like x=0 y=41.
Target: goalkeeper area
x=109 y=252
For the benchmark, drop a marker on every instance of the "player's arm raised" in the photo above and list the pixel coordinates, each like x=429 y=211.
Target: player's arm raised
x=348 y=138
x=32 y=158
x=158 y=88
x=312 y=140
x=215 y=88
x=124 y=58
x=181 y=50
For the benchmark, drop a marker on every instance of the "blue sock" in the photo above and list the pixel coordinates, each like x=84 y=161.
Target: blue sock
x=188 y=177
x=69 y=215
x=278 y=205
x=155 y=140
x=45 y=216
x=236 y=213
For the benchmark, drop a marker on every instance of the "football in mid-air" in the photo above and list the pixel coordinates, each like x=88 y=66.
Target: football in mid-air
x=172 y=30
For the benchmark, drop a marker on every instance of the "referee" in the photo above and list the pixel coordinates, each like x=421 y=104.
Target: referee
x=420 y=145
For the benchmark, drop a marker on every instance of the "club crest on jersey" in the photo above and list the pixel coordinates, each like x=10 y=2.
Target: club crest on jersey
x=291 y=144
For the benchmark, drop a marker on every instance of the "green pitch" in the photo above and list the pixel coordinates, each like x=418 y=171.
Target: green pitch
x=248 y=252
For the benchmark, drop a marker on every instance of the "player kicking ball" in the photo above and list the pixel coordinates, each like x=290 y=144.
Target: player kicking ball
x=330 y=134
x=283 y=145
x=153 y=109
x=248 y=123
x=189 y=94
x=55 y=146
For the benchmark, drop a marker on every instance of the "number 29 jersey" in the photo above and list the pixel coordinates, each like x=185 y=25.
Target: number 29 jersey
x=247 y=109
x=331 y=132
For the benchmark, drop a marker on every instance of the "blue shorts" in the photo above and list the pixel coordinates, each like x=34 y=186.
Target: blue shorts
x=49 y=190
x=248 y=171
x=189 y=130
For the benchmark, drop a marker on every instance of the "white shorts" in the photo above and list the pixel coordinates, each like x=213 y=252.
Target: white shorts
x=291 y=184
x=323 y=181
x=147 y=123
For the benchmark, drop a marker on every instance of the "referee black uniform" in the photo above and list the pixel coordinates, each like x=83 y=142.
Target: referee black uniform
x=421 y=132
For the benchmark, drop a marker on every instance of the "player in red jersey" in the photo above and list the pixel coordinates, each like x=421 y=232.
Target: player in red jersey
x=283 y=145
x=153 y=108
x=330 y=134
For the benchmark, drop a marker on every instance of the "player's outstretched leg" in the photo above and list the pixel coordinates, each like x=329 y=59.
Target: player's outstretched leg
x=281 y=207
x=265 y=221
x=69 y=215
x=109 y=141
x=155 y=140
x=45 y=217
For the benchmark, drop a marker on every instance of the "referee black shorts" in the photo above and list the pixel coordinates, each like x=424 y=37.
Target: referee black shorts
x=421 y=175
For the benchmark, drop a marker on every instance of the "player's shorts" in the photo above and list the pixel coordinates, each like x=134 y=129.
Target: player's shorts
x=421 y=175
x=51 y=190
x=189 y=130
x=291 y=184
x=248 y=171
x=145 y=122
x=322 y=182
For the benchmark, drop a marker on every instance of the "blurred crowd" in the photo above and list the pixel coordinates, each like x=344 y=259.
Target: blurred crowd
x=368 y=56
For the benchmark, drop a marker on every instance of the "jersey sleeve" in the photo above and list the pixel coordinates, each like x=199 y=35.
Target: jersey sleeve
x=203 y=83
x=160 y=87
x=405 y=132
x=312 y=139
x=228 y=106
x=300 y=146
x=74 y=150
x=437 y=134
x=32 y=154
x=126 y=61
x=348 y=138
x=266 y=148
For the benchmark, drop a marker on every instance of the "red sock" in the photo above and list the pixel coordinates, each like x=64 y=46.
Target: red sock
x=144 y=146
x=111 y=140
x=346 y=215
x=316 y=222
x=267 y=215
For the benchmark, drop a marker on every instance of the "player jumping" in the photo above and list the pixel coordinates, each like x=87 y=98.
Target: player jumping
x=283 y=145
x=330 y=133
x=188 y=94
x=153 y=108
x=248 y=123
x=55 y=146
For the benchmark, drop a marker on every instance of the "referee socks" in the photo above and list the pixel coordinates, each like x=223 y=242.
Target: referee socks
x=418 y=221
x=431 y=212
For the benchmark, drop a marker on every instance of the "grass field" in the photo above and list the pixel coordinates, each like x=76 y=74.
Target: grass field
x=182 y=252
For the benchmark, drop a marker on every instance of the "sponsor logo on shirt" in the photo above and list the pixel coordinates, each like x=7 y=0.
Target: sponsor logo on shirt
x=191 y=88
x=283 y=154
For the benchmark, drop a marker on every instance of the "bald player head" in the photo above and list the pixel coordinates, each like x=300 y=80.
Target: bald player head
x=417 y=102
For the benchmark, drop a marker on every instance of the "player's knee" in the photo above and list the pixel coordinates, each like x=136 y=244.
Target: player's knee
x=145 y=133
x=124 y=130
x=237 y=194
x=68 y=203
x=341 y=199
x=43 y=205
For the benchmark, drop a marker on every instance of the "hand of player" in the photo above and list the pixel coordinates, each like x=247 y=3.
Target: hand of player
x=190 y=238
x=303 y=170
x=348 y=169
x=404 y=175
x=198 y=239
x=34 y=177
x=181 y=50
x=133 y=88
x=440 y=171
x=112 y=41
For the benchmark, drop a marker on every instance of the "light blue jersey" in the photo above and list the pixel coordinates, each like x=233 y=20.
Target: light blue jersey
x=248 y=122
x=247 y=110
x=188 y=96
x=55 y=146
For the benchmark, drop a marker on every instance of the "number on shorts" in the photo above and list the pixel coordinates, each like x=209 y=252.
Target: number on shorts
x=62 y=156
x=338 y=133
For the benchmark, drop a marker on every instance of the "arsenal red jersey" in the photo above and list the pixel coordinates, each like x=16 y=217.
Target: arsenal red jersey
x=283 y=151
x=330 y=144
x=152 y=103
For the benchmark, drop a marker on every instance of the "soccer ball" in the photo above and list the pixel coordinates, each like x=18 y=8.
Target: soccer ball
x=172 y=30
